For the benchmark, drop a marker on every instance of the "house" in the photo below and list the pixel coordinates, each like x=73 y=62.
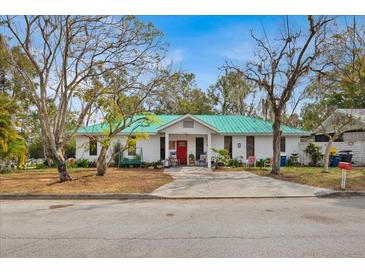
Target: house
x=182 y=135
x=352 y=139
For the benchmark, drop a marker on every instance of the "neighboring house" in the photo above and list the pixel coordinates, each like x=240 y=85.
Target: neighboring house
x=182 y=135
x=352 y=139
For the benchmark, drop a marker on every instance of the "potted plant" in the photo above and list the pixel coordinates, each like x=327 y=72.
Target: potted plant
x=191 y=159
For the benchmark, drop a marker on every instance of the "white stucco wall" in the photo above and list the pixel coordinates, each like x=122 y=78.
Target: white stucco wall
x=263 y=147
x=217 y=141
x=82 y=147
x=151 y=146
x=292 y=145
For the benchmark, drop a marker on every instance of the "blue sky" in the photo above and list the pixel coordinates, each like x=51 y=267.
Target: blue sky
x=202 y=44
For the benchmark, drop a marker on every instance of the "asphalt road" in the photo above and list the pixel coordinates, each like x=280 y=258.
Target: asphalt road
x=293 y=227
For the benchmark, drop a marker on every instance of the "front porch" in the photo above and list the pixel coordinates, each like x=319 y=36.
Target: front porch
x=188 y=149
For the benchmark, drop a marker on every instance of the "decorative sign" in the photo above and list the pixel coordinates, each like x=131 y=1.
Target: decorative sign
x=354 y=136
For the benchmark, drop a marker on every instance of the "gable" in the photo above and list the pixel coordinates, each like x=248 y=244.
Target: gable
x=181 y=125
x=187 y=126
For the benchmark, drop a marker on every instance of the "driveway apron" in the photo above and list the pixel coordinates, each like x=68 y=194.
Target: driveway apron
x=199 y=182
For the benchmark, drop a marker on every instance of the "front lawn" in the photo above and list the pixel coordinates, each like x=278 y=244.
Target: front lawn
x=45 y=181
x=313 y=176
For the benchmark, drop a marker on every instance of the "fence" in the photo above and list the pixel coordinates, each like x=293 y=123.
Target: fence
x=357 y=148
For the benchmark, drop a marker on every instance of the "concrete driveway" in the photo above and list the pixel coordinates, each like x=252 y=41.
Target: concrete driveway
x=197 y=182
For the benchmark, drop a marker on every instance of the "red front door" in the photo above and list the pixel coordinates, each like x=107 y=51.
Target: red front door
x=182 y=152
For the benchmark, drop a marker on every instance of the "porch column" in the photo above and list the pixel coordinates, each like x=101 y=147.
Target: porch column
x=209 y=152
x=166 y=146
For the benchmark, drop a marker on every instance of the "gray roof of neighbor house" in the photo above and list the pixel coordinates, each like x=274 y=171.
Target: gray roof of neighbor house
x=357 y=122
x=358 y=113
x=224 y=124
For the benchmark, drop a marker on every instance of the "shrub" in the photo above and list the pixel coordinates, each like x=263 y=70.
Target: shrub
x=234 y=163
x=92 y=164
x=267 y=162
x=222 y=158
x=314 y=153
x=70 y=163
x=293 y=160
x=35 y=150
x=40 y=165
x=145 y=164
x=260 y=163
x=82 y=163
x=156 y=164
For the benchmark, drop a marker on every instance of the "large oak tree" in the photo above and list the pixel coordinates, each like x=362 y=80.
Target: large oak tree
x=281 y=64
x=66 y=54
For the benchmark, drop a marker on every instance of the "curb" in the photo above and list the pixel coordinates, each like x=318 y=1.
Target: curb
x=154 y=197
x=146 y=196
x=343 y=194
x=125 y=196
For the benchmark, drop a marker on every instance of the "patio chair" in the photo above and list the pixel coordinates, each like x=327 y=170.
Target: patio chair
x=174 y=161
x=202 y=160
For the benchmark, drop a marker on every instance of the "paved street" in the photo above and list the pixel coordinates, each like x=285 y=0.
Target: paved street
x=201 y=182
x=266 y=227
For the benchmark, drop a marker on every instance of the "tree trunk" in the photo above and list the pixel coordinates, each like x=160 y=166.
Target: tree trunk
x=326 y=158
x=56 y=155
x=276 y=146
x=60 y=162
x=45 y=154
x=62 y=170
x=101 y=164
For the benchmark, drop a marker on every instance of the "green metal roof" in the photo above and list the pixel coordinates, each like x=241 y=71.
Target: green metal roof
x=225 y=124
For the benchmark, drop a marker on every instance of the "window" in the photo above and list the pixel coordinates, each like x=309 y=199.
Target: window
x=282 y=144
x=250 y=146
x=324 y=138
x=172 y=145
x=228 y=144
x=132 y=146
x=93 y=146
x=181 y=143
x=188 y=124
x=321 y=138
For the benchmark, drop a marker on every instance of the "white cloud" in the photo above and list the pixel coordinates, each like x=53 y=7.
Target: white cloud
x=175 y=56
x=238 y=52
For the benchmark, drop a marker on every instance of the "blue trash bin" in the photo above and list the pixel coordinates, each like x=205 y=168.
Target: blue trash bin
x=335 y=160
x=282 y=160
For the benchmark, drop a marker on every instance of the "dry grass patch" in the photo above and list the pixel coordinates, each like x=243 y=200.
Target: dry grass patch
x=45 y=181
x=313 y=176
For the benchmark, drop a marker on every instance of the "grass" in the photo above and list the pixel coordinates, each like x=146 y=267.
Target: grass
x=45 y=181
x=313 y=176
